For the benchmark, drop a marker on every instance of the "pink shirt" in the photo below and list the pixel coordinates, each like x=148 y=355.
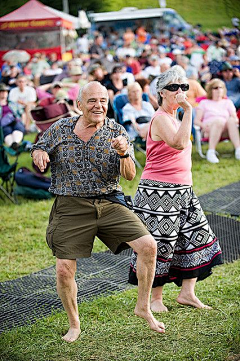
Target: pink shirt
x=166 y=164
x=212 y=109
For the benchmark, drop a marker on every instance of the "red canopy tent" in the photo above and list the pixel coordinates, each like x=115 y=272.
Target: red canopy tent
x=35 y=27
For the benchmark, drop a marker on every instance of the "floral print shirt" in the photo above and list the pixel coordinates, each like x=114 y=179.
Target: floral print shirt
x=82 y=169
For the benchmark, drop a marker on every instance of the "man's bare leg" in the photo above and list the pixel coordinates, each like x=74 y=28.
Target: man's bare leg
x=157 y=300
x=187 y=295
x=67 y=291
x=146 y=249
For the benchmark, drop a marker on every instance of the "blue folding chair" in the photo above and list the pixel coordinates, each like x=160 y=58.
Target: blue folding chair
x=118 y=103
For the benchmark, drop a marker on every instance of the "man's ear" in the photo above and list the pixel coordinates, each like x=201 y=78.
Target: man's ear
x=78 y=104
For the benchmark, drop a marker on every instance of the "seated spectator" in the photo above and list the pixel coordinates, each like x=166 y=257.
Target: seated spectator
x=153 y=69
x=115 y=83
x=132 y=65
x=232 y=83
x=25 y=96
x=96 y=73
x=13 y=128
x=191 y=71
x=37 y=66
x=216 y=52
x=136 y=109
x=66 y=71
x=11 y=79
x=76 y=77
x=217 y=118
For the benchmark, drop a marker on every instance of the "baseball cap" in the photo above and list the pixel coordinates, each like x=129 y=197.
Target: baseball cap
x=226 y=66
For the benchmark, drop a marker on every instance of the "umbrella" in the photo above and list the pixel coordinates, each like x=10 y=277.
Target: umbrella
x=17 y=56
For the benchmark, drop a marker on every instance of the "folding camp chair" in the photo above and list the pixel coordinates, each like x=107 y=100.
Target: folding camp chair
x=46 y=115
x=118 y=103
x=7 y=172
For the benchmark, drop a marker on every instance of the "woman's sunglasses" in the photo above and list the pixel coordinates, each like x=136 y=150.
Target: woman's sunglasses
x=217 y=87
x=175 y=87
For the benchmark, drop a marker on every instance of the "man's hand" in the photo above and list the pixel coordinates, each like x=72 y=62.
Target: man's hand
x=120 y=144
x=40 y=159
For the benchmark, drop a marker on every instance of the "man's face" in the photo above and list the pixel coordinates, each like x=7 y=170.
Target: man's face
x=21 y=82
x=227 y=74
x=94 y=104
x=3 y=94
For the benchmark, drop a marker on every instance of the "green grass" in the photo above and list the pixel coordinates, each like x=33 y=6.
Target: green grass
x=211 y=14
x=110 y=331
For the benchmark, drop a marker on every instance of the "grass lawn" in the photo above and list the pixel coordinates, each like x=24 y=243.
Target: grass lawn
x=110 y=331
x=211 y=14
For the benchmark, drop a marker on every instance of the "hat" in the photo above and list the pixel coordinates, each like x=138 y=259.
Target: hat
x=94 y=67
x=234 y=58
x=4 y=87
x=57 y=84
x=76 y=70
x=226 y=66
x=154 y=57
x=177 y=52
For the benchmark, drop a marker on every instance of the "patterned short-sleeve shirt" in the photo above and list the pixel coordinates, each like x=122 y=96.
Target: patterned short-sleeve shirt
x=78 y=168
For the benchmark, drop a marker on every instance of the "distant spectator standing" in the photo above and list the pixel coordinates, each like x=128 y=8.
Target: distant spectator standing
x=96 y=50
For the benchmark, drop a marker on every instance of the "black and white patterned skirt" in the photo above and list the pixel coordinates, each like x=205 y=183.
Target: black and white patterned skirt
x=186 y=245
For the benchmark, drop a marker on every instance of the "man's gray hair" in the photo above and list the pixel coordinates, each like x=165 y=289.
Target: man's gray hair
x=84 y=87
x=175 y=73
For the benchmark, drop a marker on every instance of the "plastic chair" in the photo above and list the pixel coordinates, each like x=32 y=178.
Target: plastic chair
x=7 y=172
x=199 y=140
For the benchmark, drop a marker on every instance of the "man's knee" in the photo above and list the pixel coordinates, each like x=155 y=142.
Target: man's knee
x=65 y=270
x=145 y=246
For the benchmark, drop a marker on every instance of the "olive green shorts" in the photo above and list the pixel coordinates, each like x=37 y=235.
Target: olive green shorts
x=74 y=222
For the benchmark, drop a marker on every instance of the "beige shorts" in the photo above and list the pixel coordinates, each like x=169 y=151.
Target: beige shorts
x=74 y=222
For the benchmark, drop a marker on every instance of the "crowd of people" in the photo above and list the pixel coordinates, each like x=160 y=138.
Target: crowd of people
x=118 y=61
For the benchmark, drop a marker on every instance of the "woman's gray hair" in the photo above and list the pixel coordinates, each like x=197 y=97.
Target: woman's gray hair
x=175 y=73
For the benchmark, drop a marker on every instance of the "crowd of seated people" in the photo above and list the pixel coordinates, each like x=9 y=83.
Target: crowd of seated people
x=123 y=62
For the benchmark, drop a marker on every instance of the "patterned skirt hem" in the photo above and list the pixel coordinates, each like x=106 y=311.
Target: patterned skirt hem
x=177 y=275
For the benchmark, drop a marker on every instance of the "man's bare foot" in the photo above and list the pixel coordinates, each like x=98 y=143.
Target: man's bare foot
x=158 y=306
x=192 y=301
x=72 y=334
x=153 y=323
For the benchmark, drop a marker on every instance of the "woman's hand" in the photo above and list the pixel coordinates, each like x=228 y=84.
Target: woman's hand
x=181 y=99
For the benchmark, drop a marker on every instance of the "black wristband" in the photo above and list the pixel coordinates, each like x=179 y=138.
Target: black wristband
x=124 y=156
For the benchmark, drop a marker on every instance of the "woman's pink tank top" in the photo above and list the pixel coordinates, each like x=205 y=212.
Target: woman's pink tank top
x=166 y=164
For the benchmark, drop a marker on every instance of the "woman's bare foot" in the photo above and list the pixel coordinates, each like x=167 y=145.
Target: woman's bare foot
x=158 y=306
x=153 y=323
x=72 y=334
x=192 y=301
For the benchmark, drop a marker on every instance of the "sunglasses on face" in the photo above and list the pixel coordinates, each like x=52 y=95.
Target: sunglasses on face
x=175 y=87
x=217 y=87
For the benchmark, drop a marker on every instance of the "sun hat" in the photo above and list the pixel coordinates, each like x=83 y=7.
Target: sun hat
x=4 y=87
